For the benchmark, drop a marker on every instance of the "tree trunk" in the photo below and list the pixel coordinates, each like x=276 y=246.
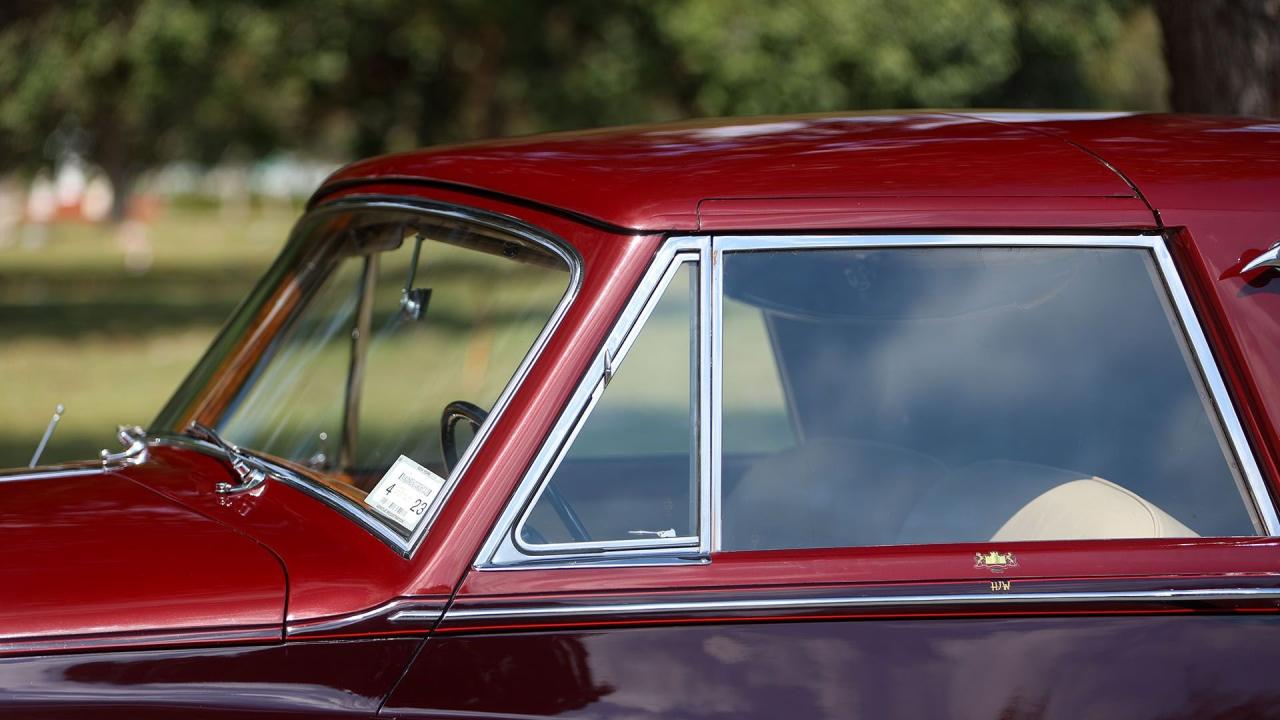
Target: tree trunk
x=122 y=182
x=1223 y=55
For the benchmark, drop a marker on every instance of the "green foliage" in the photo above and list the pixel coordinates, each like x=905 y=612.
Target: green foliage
x=810 y=55
x=141 y=82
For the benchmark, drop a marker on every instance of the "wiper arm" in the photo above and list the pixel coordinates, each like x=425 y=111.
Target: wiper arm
x=252 y=471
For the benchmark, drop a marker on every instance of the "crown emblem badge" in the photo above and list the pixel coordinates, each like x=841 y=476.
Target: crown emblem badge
x=994 y=561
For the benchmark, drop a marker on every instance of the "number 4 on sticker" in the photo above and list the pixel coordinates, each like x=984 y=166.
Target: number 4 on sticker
x=405 y=492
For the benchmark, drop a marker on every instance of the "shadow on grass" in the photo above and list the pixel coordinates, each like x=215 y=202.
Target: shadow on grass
x=71 y=303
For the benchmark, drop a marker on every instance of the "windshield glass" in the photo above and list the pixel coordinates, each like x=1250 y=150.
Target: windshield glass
x=372 y=324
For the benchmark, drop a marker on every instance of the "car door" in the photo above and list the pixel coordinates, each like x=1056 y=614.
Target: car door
x=931 y=475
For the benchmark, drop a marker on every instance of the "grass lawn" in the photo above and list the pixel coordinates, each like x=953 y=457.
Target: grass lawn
x=79 y=328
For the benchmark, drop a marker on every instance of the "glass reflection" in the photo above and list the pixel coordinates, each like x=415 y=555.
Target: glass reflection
x=966 y=394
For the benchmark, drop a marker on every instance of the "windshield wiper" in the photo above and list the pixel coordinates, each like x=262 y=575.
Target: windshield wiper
x=252 y=471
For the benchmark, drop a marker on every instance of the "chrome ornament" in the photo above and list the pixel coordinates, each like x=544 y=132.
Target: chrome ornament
x=1269 y=258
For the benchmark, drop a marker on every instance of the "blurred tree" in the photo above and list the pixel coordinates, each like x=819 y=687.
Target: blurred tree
x=1057 y=46
x=132 y=84
x=419 y=74
x=810 y=55
x=1223 y=55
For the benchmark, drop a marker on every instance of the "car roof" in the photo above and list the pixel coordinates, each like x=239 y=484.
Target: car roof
x=676 y=176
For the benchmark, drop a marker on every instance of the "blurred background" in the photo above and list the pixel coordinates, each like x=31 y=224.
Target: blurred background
x=154 y=153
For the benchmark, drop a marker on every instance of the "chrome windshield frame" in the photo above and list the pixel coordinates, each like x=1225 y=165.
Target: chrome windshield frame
x=371 y=521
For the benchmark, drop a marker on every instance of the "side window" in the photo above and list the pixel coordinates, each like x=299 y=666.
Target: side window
x=755 y=419
x=629 y=476
x=968 y=394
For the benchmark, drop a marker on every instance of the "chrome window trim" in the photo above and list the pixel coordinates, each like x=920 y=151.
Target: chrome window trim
x=506 y=224
x=1257 y=497
x=716 y=372
x=495 y=555
x=678 y=261
x=853 y=601
x=502 y=548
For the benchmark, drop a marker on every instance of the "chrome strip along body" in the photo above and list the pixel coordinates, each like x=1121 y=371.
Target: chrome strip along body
x=499 y=552
x=853 y=602
x=371 y=622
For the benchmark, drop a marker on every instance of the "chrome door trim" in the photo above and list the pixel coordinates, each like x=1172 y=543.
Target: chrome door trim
x=502 y=549
x=854 y=601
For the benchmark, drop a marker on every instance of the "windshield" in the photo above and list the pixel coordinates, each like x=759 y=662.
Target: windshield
x=372 y=324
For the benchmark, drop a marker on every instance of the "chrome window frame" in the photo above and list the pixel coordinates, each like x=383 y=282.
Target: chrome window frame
x=375 y=524
x=499 y=552
x=503 y=549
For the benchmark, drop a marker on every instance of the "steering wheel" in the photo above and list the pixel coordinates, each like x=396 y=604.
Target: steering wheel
x=453 y=412
x=476 y=415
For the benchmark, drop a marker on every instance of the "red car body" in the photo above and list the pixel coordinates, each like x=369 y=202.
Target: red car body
x=132 y=589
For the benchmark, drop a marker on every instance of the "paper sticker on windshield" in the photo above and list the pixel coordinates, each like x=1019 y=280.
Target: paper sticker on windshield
x=405 y=492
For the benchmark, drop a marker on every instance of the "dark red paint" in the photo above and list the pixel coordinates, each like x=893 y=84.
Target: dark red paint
x=312 y=680
x=877 y=213
x=1048 y=668
x=148 y=559
x=335 y=566
x=653 y=178
x=99 y=560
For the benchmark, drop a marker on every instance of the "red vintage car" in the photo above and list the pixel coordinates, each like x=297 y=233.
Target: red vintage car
x=885 y=415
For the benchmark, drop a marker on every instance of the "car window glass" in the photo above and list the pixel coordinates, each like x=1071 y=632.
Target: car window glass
x=631 y=471
x=294 y=405
x=362 y=370
x=755 y=419
x=483 y=313
x=967 y=395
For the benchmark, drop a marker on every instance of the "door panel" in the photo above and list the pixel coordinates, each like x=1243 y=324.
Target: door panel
x=1027 y=667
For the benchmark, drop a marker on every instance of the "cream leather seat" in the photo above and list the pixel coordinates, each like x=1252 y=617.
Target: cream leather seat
x=1090 y=509
x=1009 y=500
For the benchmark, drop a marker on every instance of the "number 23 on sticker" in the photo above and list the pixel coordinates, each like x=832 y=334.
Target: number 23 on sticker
x=405 y=492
